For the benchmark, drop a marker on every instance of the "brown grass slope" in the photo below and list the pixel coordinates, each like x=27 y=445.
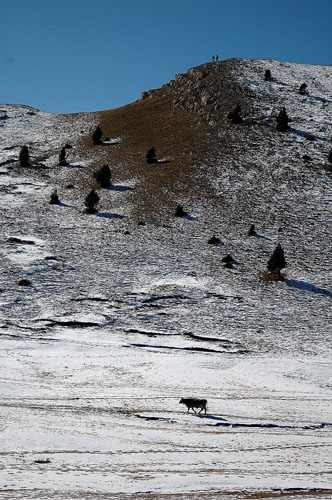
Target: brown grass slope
x=176 y=120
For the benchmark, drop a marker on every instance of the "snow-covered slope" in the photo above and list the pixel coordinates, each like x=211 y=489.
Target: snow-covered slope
x=118 y=320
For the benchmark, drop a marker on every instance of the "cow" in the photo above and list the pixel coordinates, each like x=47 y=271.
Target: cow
x=194 y=403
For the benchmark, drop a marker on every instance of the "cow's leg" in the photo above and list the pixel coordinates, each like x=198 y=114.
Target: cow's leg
x=194 y=410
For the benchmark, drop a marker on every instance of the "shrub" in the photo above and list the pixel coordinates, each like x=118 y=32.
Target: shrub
x=103 y=176
x=151 y=156
x=267 y=75
x=91 y=201
x=24 y=282
x=277 y=260
x=62 y=158
x=214 y=240
x=282 y=121
x=329 y=157
x=96 y=136
x=228 y=259
x=179 y=212
x=235 y=115
x=252 y=231
x=309 y=137
x=303 y=89
x=24 y=157
x=54 y=198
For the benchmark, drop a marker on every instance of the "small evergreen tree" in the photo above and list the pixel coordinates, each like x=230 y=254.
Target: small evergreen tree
x=330 y=156
x=267 y=75
x=54 y=198
x=96 y=136
x=103 y=176
x=282 y=121
x=151 y=156
x=24 y=157
x=179 y=212
x=303 y=89
x=277 y=260
x=235 y=115
x=214 y=240
x=91 y=201
x=62 y=158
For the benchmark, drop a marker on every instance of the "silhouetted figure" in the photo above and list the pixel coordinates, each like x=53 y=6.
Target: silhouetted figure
x=217 y=57
x=212 y=58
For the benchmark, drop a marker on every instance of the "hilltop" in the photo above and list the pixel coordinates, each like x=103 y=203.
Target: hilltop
x=108 y=319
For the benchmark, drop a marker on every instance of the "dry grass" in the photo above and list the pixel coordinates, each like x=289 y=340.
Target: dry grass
x=176 y=135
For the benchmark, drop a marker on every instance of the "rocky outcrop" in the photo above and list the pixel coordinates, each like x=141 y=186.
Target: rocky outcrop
x=209 y=90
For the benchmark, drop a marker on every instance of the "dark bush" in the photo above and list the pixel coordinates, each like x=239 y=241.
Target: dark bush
x=267 y=75
x=151 y=156
x=329 y=157
x=252 y=231
x=179 y=212
x=96 y=136
x=282 y=121
x=103 y=176
x=303 y=89
x=235 y=115
x=309 y=137
x=54 y=198
x=228 y=259
x=91 y=200
x=277 y=260
x=24 y=157
x=62 y=158
x=24 y=282
x=214 y=240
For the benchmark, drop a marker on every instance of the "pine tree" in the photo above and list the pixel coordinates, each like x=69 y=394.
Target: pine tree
x=96 y=136
x=91 y=201
x=282 y=121
x=235 y=115
x=62 y=158
x=151 y=156
x=303 y=89
x=277 y=260
x=179 y=212
x=24 y=157
x=267 y=75
x=103 y=176
x=54 y=198
x=330 y=156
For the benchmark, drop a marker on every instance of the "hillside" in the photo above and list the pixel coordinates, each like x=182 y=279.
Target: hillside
x=129 y=309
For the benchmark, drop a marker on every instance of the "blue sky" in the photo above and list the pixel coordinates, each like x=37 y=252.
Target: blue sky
x=67 y=56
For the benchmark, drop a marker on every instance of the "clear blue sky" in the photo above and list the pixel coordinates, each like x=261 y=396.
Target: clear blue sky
x=86 y=55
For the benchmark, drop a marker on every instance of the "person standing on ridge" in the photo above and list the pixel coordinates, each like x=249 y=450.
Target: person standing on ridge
x=212 y=58
x=217 y=57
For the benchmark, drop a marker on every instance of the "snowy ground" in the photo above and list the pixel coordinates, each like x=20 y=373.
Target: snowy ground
x=115 y=328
